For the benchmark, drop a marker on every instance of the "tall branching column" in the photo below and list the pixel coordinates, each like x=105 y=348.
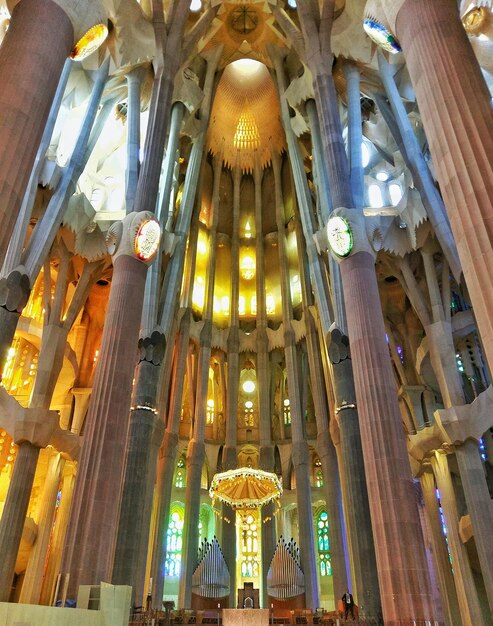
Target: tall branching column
x=134 y=79
x=91 y=539
x=39 y=39
x=196 y=446
x=58 y=320
x=325 y=446
x=358 y=523
x=169 y=447
x=440 y=551
x=300 y=453
x=459 y=128
x=263 y=383
x=15 y=288
x=171 y=299
x=233 y=381
x=91 y=536
x=31 y=586
x=436 y=320
x=58 y=536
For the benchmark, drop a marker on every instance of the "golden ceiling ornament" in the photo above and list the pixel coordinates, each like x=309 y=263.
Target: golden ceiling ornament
x=245 y=488
x=245 y=123
x=246 y=136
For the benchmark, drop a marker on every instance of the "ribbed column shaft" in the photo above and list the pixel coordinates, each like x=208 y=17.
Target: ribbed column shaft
x=170 y=161
x=325 y=447
x=33 y=578
x=467 y=595
x=133 y=137
x=233 y=362
x=18 y=239
x=196 y=448
x=169 y=448
x=440 y=553
x=90 y=544
x=355 y=133
x=300 y=453
x=403 y=576
x=39 y=39
x=459 y=128
x=134 y=517
x=415 y=161
x=322 y=176
x=58 y=537
x=14 y=514
x=263 y=384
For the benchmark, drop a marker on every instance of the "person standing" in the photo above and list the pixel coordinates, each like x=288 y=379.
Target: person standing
x=348 y=601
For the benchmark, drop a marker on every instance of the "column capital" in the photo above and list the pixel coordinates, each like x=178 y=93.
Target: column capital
x=365 y=232
x=470 y=421
x=130 y=237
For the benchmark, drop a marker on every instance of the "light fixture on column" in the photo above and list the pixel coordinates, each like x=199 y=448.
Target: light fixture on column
x=89 y=42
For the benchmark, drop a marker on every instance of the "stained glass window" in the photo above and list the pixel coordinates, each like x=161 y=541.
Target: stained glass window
x=180 y=474
x=249 y=547
x=286 y=411
x=325 y=567
x=172 y=565
x=318 y=474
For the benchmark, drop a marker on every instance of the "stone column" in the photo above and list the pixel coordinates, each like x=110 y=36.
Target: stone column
x=134 y=79
x=144 y=556
x=168 y=452
x=403 y=576
x=33 y=578
x=230 y=460
x=90 y=544
x=196 y=447
x=357 y=519
x=300 y=453
x=39 y=39
x=407 y=142
x=442 y=562
x=268 y=529
x=325 y=446
x=169 y=165
x=355 y=133
x=134 y=515
x=470 y=609
x=442 y=353
x=14 y=514
x=459 y=128
x=56 y=545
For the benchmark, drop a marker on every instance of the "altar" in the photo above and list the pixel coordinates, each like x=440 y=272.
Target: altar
x=245 y=617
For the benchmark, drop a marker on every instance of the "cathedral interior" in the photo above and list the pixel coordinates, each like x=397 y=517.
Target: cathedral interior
x=246 y=298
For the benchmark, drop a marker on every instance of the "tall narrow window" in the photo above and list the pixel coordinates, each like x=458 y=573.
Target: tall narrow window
x=286 y=411
x=325 y=567
x=249 y=547
x=172 y=565
x=318 y=474
x=375 y=196
x=210 y=411
x=180 y=474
